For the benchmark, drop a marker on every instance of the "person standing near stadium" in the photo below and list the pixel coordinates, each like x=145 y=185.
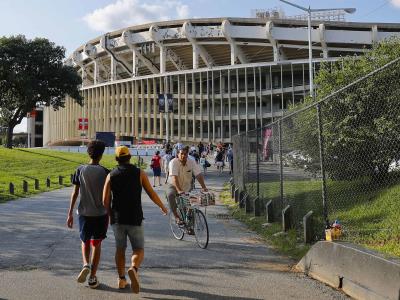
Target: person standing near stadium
x=88 y=182
x=156 y=166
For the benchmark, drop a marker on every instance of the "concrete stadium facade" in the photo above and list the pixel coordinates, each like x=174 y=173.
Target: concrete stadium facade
x=226 y=75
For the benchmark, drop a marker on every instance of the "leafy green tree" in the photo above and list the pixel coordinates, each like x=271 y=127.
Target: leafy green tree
x=32 y=73
x=361 y=124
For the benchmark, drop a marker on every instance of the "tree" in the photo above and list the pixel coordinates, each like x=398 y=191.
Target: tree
x=361 y=124
x=32 y=73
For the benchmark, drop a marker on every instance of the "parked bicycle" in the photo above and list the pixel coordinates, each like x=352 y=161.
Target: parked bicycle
x=194 y=221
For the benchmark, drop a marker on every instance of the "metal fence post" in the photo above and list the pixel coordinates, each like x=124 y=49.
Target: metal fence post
x=322 y=162
x=258 y=164
x=280 y=161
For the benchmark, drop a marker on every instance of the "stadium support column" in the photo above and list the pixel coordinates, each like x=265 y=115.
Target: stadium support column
x=171 y=91
x=229 y=106
x=201 y=105
x=134 y=63
x=166 y=108
x=208 y=108
x=113 y=69
x=213 y=105
x=195 y=57
x=163 y=59
x=112 y=108
x=107 y=109
x=222 y=110
x=246 y=99
x=193 y=107
x=161 y=114
x=100 y=125
x=117 y=110
x=136 y=109
x=237 y=101
x=123 y=108
x=155 y=116
x=96 y=72
x=179 y=110
x=321 y=31
x=141 y=108
x=270 y=37
x=186 y=108
x=148 y=107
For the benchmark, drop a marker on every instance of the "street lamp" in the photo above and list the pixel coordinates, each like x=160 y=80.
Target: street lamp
x=309 y=11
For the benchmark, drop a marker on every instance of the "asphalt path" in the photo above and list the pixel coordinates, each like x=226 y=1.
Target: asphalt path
x=40 y=258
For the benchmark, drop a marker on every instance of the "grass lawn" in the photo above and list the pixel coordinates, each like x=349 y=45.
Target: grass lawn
x=17 y=165
x=369 y=213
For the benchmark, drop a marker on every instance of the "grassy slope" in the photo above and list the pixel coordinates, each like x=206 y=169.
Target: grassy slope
x=370 y=214
x=27 y=164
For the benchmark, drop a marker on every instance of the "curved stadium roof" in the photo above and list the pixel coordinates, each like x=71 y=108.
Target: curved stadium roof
x=163 y=47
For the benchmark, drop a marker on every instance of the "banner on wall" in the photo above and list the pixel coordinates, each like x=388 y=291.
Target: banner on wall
x=165 y=99
x=266 y=150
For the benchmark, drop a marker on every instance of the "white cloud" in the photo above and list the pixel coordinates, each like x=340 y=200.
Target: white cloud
x=124 y=13
x=396 y=2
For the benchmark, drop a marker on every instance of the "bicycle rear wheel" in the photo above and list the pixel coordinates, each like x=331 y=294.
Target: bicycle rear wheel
x=177 y=231
x=200 y=228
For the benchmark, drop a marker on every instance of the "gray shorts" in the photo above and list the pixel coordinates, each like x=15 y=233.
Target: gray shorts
x=135 y=234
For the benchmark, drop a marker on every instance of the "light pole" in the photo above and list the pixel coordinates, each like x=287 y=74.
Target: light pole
x=309 y=11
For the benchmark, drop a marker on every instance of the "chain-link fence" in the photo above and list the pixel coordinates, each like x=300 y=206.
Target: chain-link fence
x=338 y=157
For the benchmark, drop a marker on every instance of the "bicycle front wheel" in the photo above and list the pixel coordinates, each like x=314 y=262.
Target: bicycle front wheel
x=200 y=229
x=177 y=231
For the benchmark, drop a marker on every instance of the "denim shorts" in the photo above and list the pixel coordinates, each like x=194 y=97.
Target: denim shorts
x=134 y=233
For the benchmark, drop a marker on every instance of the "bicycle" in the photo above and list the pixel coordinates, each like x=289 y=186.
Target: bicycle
x=194 y=220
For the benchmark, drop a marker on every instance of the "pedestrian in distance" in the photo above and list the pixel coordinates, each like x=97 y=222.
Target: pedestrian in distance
x=204 y=163
x=156 y=166
x=166 y=160
x=122 y=199
x=88 y=182
x=229 y=156
x=219 y=160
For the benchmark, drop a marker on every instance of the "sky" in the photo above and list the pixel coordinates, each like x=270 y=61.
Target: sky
x=71 y=23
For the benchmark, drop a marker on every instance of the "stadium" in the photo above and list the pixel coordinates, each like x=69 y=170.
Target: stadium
x=225 y=76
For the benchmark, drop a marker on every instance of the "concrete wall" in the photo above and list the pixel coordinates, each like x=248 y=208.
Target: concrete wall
x=360 y=273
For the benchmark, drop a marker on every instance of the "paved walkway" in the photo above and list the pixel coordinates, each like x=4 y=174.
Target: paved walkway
x=40 y=258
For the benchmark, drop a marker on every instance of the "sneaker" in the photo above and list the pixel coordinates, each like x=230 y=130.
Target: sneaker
x=133 y=275
x=122 y=283
x=83 y=274
x=93 y=282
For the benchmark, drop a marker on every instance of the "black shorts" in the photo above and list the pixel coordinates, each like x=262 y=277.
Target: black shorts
x=157 y=171
x=93 y=228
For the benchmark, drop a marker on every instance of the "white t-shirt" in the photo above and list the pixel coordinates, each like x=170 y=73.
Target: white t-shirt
x=166 y=159
x=184 y=172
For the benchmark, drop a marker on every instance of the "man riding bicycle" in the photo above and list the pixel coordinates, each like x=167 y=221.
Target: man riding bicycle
x=181 y=170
